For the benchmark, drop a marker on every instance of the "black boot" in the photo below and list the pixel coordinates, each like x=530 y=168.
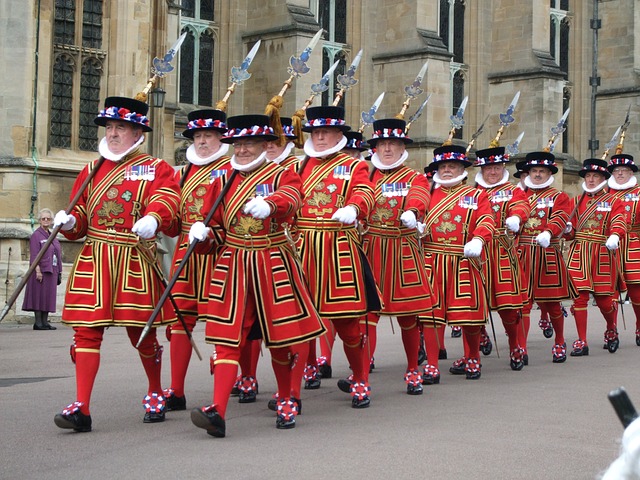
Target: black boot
x=38 y=323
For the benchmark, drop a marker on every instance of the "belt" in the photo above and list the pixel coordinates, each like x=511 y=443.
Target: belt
x=385 y=231
x=322 y=224
x=443 y=249
x=590 y=237
x=531 y=239
x=115 y=237
x=256 y=242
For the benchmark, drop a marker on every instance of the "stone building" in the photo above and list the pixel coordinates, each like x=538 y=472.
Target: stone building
x=63 y=57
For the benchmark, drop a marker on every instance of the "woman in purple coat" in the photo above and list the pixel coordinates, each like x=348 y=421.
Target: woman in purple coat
x=40 y=294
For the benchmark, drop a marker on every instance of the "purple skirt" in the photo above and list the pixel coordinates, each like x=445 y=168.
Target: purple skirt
x=39 y=296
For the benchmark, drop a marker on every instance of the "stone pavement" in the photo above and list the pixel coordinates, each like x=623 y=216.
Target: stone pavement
x=547 y=421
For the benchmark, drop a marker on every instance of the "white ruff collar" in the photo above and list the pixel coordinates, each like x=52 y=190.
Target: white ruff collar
x=528 y=183
x=449 y=183
x=249 y=167
x=193 y=157
x=480 y=180
x=375 y=160
x=285 y=153
x=308 y=148
x=595 y=189
x=103 y=148
x=633 y=181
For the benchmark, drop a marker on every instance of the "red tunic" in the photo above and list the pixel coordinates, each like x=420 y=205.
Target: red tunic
x=591 y=265
x=455 y=216
x=256 y=257
x=502 y=270
x=112 y=281
x=331 y=253
x=190 y=288
x=393 y=250
x=630 y=243
x=545 y=275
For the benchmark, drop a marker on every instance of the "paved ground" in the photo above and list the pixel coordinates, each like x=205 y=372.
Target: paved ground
x=548 y=421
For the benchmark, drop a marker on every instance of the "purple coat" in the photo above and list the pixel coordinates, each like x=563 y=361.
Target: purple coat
x=41 y=296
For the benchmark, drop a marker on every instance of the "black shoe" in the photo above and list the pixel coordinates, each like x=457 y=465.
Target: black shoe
x=414 y=389
x=48 y=326
x=458 y=367
x=273 y=404
x=175 y=403
x=457 y=333
x=282 y=424
x=78 y=421
x=344 y=385
x=325 y=371
x=473 y=375
x=247 y=397
x=364 y=403
x=312 y=384
x=422 y=354
x=638 y=338
x=153 y=417
x=486 y=348
x=548 y=332
x=442 y=354
x=38 y=327
x=580 y=351
x=430 y=379
x=525 y=359
x=210 y=420
x=516 y=365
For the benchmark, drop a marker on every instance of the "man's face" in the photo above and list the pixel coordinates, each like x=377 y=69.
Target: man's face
x=273 y=150
x=450 y=170
x=622 y=174
x=206 y=142
x=247 y=150
x=121 y=135
x=324 y=138
x=593 y=179
x=539 y=175
x=492 y=173
x=389 y=150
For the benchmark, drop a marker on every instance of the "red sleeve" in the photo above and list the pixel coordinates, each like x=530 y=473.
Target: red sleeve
x=360 y=194
x=418 y=197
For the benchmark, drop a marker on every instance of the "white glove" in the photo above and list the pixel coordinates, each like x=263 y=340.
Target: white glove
x=613 y=242
x=408 y=219
x=568 y=228
x=513 y=224
x=421 y=227
x=145 y=227
x=544 y=239
x=346 y=215
x=66 y=222
x=198 y=232
x=473 y=248
x=257 y=208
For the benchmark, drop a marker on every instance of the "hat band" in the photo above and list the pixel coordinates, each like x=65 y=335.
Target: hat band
x=325 y=122
x=389 y=133
x=594 y=168
x=288 y=131
x=443 y=157
x=206 y=123
x=482 y=161
x=621 y=161
x=253 y=131
x=121 y=113
x=542 y=163
x=353 y=143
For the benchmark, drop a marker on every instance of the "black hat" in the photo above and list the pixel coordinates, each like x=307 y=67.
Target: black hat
x=355 y=140
x=622 y=160
x=540 y=159
x=490 y=156
x=125 y=109
x=594 y=165
x=248 y=126
x=207 y=119
x=325 y=117
x=448 y=153
x=519 y=168
x=287 y=127
x=389 y=128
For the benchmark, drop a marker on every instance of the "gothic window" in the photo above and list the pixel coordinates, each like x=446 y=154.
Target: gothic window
x=77 y=73
x=452 y=34
x=559 y=34
x=198 y=52
x=332 y=17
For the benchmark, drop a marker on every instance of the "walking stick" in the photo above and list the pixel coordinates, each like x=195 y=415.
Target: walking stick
x=50 y=240
x=185 y=259
x=146 y=252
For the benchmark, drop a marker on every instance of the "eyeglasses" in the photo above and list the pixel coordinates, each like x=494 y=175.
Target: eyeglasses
x=46 y=218
x=247 y=144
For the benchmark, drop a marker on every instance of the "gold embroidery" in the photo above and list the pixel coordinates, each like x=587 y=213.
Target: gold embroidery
x=319 y=199
x=446 y=227
x=382 y=215
x=533 y=222
x=247 y=225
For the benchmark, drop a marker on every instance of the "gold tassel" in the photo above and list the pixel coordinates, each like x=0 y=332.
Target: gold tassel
x=221 y=105
x=273 y=112
x=296 y=121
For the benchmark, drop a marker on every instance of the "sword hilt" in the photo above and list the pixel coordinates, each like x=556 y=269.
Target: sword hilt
x=338 y=97
x=621 y=143
x=286 y=85
x=496 y=141
x=403 y=110
x=144 y=94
